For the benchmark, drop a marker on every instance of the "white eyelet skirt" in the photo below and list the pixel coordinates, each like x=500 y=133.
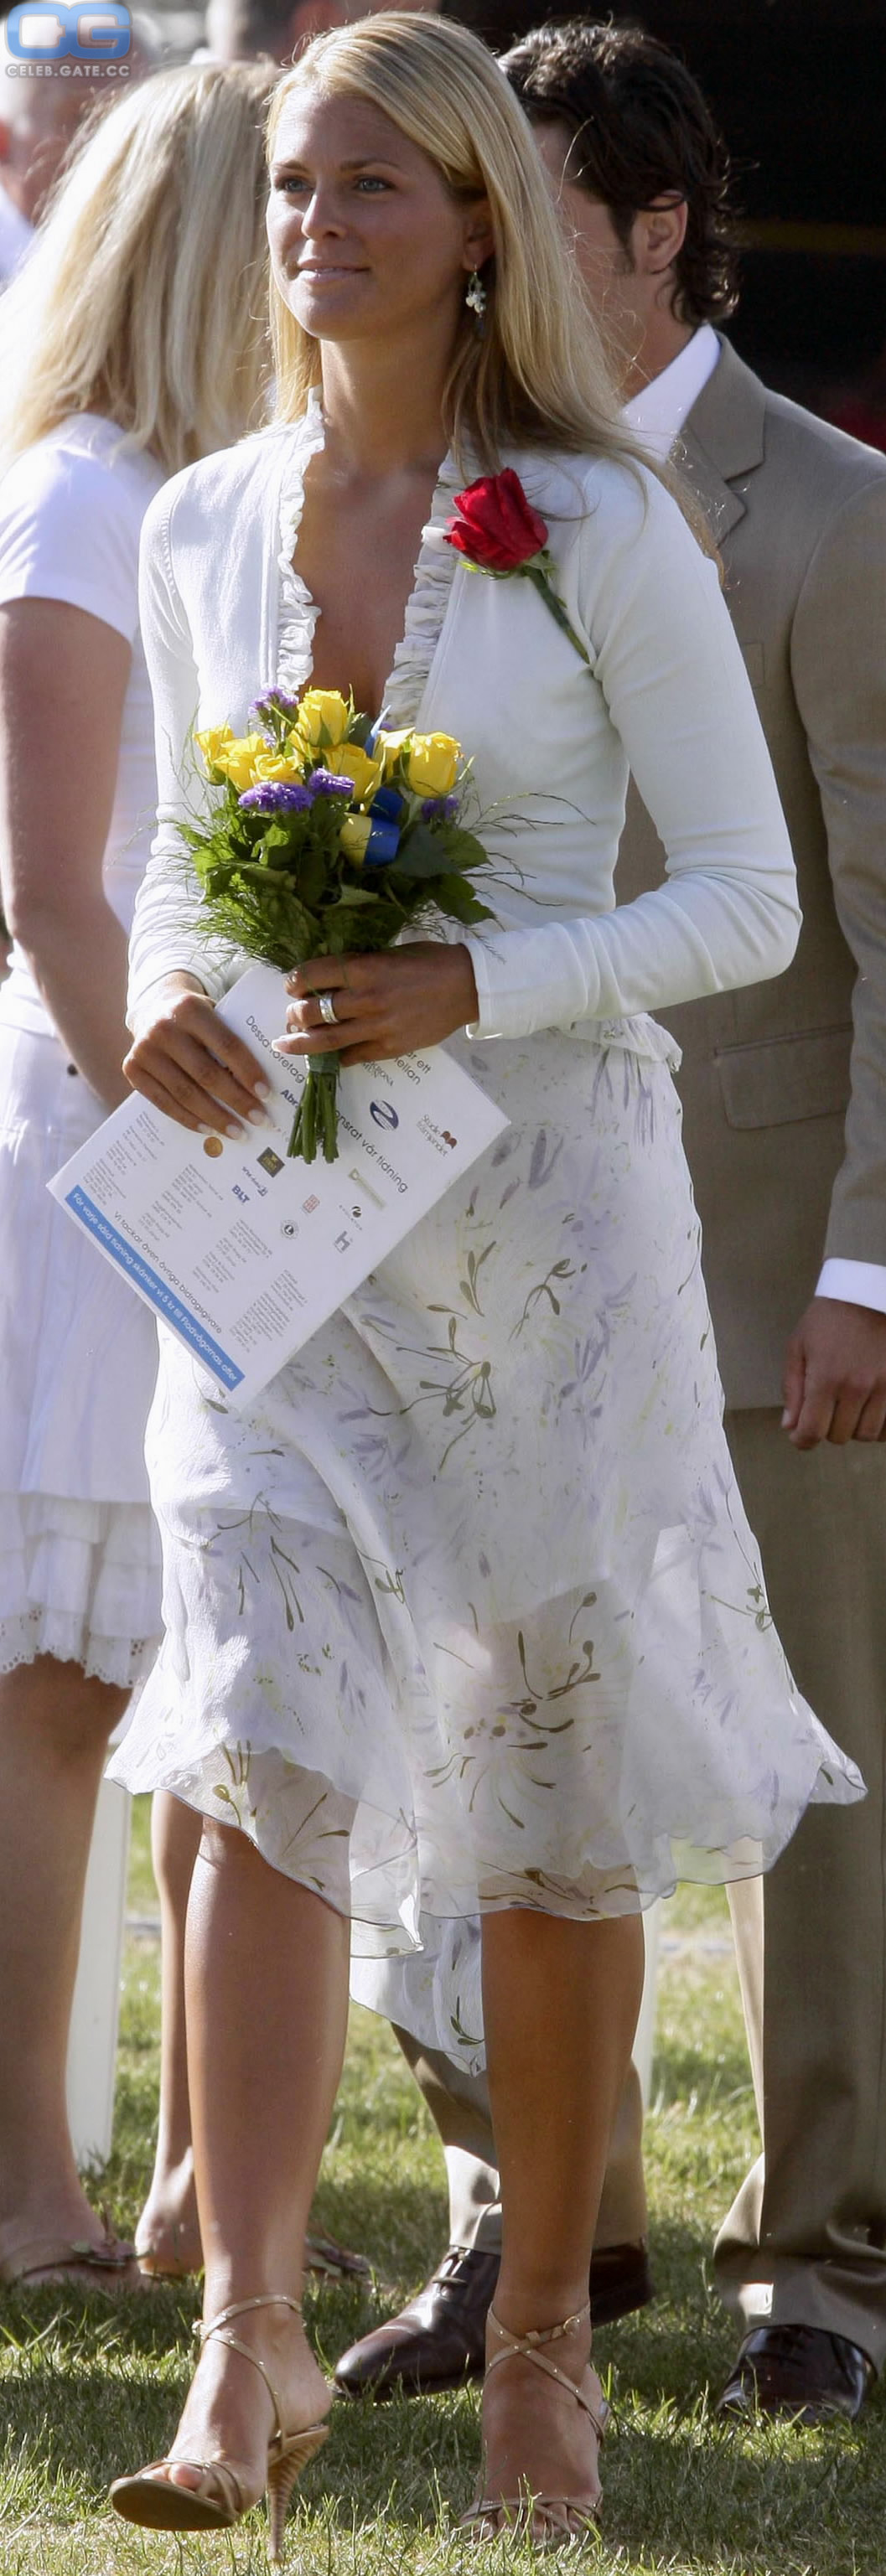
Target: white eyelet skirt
x=465 y=1612
x=79 y=1550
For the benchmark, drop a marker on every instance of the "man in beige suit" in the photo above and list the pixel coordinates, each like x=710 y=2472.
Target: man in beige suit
x=784 y=1093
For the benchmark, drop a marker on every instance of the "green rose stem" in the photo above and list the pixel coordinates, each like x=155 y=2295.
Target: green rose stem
x=316 y=1118
x=539 y=571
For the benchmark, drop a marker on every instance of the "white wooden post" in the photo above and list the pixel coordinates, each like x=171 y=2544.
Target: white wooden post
x=92 y=2046
x=644 y=2042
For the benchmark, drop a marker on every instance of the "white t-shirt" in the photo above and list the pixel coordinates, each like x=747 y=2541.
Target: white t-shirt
x=16 y=235
x=71 y=509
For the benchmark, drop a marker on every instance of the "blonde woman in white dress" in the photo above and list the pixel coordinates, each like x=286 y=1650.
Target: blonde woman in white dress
x=119 y=362
x=463 y=1613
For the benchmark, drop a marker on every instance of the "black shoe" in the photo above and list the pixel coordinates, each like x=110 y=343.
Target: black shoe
x=439 y=2340
x=799 y=2371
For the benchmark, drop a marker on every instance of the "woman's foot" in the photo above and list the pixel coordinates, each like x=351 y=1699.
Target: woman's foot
x=167 y=2238
x=229 y=2413
x=537 y=2440
x=66 y=2241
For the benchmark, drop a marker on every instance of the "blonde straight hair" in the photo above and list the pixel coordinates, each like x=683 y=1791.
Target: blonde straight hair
x=537 y=376
x=144 y=297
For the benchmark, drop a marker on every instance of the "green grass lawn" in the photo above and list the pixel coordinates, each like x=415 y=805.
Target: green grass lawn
x=86 y=2392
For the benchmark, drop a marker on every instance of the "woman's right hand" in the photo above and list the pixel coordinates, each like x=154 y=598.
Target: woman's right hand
x=191 y=1066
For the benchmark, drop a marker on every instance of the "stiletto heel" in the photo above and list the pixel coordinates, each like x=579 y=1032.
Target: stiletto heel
x=560 y=2519
x=153 y=2499
x=282 y=2474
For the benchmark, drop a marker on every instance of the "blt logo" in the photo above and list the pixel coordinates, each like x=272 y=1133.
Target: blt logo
x=48 y=31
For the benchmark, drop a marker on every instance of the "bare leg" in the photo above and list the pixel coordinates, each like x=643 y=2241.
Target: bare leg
x=266 y=1971
x=54 y=1730
x=560 y=2005
x=168 y=2234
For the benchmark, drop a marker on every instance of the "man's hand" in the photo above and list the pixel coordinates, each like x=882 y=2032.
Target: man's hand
x=835 y=1375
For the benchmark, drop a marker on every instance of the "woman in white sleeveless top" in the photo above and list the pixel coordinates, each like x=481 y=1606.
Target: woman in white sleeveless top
x=463 y=1613
x=118 y=364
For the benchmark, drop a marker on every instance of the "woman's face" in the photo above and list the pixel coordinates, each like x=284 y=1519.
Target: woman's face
x=366 y=240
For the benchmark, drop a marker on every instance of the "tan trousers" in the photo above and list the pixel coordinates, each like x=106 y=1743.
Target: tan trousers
x=804 y=2240
x=459 y=2105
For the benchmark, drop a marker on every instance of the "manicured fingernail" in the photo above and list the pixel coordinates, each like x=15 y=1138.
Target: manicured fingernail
x=257 y=1118
x=233 y=1130
x=263 y=1091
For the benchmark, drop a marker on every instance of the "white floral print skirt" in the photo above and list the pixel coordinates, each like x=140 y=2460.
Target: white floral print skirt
x=465 y=1612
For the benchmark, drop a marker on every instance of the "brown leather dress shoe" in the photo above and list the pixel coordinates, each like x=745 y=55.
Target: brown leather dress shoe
x=799 y=2371
x=439 y=2340
x=619 y=2281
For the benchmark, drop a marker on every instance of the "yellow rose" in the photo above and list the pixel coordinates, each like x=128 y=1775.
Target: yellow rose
x=390 y=747
x=280 y=768
x=348 y=761
x=212 y=743
x=353 y=837
x=431 y=764
x=323 y=718
x=237 y=759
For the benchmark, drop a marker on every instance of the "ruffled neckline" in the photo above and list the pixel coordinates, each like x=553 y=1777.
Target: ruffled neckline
x=297 y=611
x=426 y=606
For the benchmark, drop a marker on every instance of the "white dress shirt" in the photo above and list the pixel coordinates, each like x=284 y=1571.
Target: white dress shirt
x=657 y=415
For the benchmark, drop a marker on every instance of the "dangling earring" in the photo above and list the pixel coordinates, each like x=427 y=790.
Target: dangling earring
x=476 y=297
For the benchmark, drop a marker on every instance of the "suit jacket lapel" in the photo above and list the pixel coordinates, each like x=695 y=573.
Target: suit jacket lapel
x=723 y=440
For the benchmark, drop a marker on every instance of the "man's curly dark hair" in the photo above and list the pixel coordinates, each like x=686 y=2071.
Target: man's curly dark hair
x=642 y=130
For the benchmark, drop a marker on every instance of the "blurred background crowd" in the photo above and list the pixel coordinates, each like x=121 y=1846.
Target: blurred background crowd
x=795 y=86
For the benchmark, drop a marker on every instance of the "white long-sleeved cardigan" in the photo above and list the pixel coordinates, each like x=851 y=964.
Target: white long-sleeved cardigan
x=552 y=743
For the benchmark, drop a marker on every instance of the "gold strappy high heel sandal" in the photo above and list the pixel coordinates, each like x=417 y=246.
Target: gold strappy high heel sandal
x=161 y=2504
x=552 y=2521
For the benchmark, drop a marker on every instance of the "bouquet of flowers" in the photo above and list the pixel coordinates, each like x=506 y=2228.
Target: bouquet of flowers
x=328 y=836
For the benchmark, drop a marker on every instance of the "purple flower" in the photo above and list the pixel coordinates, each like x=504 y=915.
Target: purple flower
x=269 y=799
x=439 y=809
x=323 y=783
x=273 y=702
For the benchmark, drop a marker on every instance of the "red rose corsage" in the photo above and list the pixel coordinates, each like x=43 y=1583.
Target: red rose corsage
x=497 y=531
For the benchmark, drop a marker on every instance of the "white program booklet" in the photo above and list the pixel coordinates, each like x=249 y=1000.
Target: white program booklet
x=244 y=1252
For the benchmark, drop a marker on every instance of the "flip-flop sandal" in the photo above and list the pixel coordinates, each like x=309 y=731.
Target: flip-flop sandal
x=328 y=2261
x=324 y=2260
x=109 y=2267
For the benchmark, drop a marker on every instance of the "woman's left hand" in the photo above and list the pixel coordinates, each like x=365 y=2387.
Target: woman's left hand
x=389 y=1004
